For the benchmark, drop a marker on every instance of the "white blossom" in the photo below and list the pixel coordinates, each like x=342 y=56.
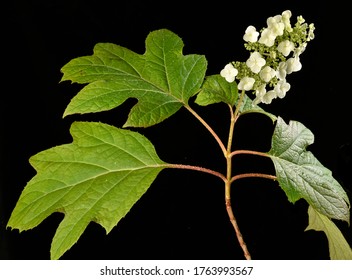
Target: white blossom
x=285 y=47
x=259 y=92
x=246 y=83
x=281 y=88
x=276 y=25
x=255 y=62
x=293 y=65
x=268 y=97
x=229 y=72
x=267 y=37
x=274 y=53
x=267 y=73
x=281 y=70
x=286 y=15
x=251 y=34
x=263 y=96
x=271 y=21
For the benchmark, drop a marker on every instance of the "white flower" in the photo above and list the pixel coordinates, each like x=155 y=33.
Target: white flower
x=246 y=83
x=271 y=21
x=260 y=92
x=255 y=62
x=251 y=35
x=281 y=88
x=276 y=25
x=286 y=15
x=285 y=47
x=267 y=73
x=274 y=53
x=281 y=70
x=229 y=72
x=263 y=96
x=267 y=38
x=293 y=65
x=268 y=97
x=275 y=28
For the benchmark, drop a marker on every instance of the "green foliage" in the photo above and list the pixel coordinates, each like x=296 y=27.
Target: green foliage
x=247 y=107
x=338 y=247
x=96 y=178
x=105 y=170
x=216 y=89
x=162 y=79
x=301 y=175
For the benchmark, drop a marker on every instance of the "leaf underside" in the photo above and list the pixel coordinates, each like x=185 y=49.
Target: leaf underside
x=162 y=79
x=98 y=177
x=301 y=175
x=247 y=107
x=339 y=248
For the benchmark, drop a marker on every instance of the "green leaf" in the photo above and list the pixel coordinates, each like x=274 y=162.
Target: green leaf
x=339 y=248
x=162 y=79
x=98 y=177
x=248 y=107
x=215 y=90
x=301 y=175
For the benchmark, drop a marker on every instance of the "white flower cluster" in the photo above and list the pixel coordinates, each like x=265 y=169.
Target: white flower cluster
x=275 y=53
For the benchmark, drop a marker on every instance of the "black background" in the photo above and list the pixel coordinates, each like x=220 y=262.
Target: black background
x=182 y=215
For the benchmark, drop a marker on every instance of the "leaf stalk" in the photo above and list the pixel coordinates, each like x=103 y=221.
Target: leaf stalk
x=251 y=175
x=207 y=126
x=248 y=152
x=197 y=168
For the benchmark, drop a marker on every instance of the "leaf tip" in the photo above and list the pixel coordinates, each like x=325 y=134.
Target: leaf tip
x=65 y=114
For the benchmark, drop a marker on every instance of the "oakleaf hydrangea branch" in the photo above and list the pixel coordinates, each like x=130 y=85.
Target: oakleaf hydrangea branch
x=264 y=73
x=114 y=164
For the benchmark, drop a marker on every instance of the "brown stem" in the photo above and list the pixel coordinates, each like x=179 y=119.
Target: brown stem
x=234 y=117
x=249 y=175
x=227 y=201
x=239 y=236
x=229 y=210
x=197 y=168
x=207 y=126
x=248 y=152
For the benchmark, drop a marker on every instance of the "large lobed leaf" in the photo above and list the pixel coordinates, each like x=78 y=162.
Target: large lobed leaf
x=162 y=79
x=98 y=177
x=301 y=175
x=339 y=248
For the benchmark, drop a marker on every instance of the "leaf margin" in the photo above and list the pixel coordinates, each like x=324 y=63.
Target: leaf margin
x=295 y=193
x=339 y=249
x=62 y=242
x=191 y=67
